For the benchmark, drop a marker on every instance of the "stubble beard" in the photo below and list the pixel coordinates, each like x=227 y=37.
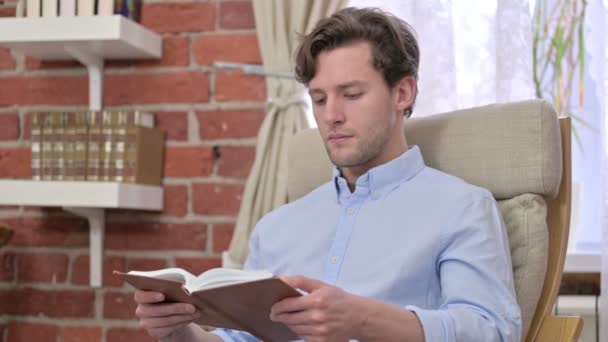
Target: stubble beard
x=364 y=150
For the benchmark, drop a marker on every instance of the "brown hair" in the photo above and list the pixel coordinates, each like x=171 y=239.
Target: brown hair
x=394 y=47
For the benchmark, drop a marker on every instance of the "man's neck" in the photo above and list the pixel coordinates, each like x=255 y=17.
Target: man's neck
x=353 y=173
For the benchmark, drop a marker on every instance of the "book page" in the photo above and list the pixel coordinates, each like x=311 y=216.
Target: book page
x=225 y=276
x=174 y=274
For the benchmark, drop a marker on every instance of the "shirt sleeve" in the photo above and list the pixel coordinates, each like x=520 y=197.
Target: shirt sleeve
x=474 y=265
x=250 y=264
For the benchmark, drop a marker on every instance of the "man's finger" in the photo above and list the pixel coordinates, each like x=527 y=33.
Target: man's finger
x=165 y=322
x=303 y=283
x=163 y=310
x=148 y=297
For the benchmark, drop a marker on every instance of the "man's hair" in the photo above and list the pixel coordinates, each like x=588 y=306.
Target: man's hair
x=395 y=50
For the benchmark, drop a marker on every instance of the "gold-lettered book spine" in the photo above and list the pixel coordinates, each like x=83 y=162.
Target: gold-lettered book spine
x=58 y=162
x=119 y=139
x=69 y=146
x=81 y=133
x=94 y=146
x=106 y=147
x=47 y=146
x=36 y=144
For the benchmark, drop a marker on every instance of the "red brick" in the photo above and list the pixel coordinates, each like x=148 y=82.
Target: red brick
x=230 y=124
x=198 y=265
x=188 y=161
x=216 y=199
x=239 y=48
x=175 y=200
x=42 y=267
x=24 y=331
x=236 y=161
x=9 y=126
x=7 y=61
x=15 y=162
x=7 y=12
x=178 y=87
x=237 y=86
x=80 y=334
x=118 y=305
x=157 y=236
x=236 y=15
x=222 y=235
x=47 y=232
x=179 y=17
x=36 y=64
x=175 y=124
x=7 y=266
x=50 y=303
x=176 y=53
x=44 y=90
x=81 y=269
x=146 y=264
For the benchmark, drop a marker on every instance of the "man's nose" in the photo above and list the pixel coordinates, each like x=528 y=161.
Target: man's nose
x=334 y=111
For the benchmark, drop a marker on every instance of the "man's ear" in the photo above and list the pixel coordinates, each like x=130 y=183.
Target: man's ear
x=405 y=91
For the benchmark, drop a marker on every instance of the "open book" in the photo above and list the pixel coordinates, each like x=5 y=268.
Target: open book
x=226 y=298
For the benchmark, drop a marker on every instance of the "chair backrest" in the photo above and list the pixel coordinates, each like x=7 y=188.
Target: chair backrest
x=520 y=152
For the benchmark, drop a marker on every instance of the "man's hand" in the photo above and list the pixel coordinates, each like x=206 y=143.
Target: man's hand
x=159 y=319
x=327 y=313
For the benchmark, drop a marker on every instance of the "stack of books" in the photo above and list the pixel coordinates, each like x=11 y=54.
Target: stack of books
x=69 y=8
x=108 y=146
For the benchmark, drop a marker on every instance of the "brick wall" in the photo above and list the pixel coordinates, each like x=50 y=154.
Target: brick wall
x=211 y=120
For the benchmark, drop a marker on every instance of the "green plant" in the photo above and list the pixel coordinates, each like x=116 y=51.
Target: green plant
x=558 y=51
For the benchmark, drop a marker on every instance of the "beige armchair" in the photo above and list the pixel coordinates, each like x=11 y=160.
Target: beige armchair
x=521 y=153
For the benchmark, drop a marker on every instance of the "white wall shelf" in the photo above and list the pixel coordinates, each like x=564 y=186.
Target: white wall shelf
x=583 y=262
x=88 y=39
x=87 y=199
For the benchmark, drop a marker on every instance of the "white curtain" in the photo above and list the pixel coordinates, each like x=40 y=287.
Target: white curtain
x=472 y=52
x=277 y=23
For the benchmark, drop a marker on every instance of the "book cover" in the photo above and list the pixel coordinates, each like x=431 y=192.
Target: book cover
x=36 y=144
x=67 y=8
x=49 y=8
x=81 y=132
x=47 y=146
x=143 y=157
x=94 y=146
x=243 y=305
x=119 y=138
x=33 y=8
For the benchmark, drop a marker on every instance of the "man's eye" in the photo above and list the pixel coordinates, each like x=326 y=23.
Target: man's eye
x=353 y=96
x=319 y=101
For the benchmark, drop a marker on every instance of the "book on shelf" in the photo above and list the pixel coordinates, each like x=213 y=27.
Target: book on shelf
x=105 y=154
x=81 y=132
x=105 y=7
x=69 y=146
x=226 y=298
x=47 y=153
x=36 y=144
x=94 y=146
x=32 y=8
x=49 y=8
x=85 y=7
x=57 y=138
x=67 y=8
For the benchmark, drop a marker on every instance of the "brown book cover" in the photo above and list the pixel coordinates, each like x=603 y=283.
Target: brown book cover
x=58 y=161
x=36 y=144
x=240 y=306
x=143 y=155
x=106 y=146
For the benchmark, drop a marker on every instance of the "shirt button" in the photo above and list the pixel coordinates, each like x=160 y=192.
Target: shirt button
x=334 y=259
x=350 y=211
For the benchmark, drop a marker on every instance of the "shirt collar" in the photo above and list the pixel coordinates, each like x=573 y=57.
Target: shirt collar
x=381 y=179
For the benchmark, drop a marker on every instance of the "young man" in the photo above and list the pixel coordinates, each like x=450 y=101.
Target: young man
x=389 y=249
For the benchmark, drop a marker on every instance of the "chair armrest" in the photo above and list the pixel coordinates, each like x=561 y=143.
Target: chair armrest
x=560 y=329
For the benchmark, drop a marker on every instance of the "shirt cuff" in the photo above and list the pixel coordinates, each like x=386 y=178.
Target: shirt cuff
x=433 y=324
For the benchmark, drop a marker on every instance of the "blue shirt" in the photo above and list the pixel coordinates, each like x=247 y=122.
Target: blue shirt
x=410 y=236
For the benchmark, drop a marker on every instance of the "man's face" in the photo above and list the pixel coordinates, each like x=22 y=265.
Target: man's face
x=354 y=108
